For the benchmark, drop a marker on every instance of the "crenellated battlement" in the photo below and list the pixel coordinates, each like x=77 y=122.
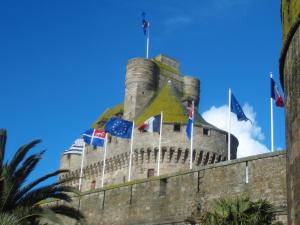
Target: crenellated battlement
x=143 y=158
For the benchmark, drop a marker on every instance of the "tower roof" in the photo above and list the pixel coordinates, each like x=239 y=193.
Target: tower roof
x=167 y=100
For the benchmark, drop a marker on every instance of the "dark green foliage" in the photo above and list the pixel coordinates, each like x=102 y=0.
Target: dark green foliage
x=21 y=203
x=239 y=211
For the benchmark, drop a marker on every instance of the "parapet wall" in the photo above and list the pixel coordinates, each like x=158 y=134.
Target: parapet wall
x=175 y=155
x=174 y=198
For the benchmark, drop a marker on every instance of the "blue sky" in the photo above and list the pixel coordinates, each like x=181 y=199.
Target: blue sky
x=62 y=63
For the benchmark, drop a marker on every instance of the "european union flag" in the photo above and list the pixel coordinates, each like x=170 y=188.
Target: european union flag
x=237 y=109
x=119 y=127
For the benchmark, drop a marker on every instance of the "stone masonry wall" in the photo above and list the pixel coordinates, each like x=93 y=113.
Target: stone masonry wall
x=292 y=93
x=208 y=149
x=176 y=197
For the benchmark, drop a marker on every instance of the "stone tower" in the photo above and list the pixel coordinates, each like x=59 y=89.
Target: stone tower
x=153 y=86
x=140 y=85
x=145 y=76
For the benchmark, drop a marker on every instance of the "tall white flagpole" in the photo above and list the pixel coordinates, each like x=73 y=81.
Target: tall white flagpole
x=229 y=123
x=104 y=161
x=192 y=134
x=131 y=150
x=148 y=34
x=159 y=143
x=81 y=167
x=272 y=122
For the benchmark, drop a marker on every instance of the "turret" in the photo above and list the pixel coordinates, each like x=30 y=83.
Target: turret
x=191 y=88
x=140 y=85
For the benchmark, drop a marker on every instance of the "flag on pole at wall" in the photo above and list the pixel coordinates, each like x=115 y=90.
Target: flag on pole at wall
x=190 y=122
x=145 y=23
x=119 y=127
x=237 y=109
x=276 y=95
x=94 y=137
x=75 y=148
x=151 y=125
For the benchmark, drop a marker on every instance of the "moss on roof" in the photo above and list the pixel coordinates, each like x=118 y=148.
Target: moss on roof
x=163 y=66
x=290 y=13
x=165 y=101
x=108 y=114
x=168 y=101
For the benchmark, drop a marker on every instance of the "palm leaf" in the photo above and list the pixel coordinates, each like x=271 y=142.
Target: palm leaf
x=8 y=219
x=14 y=181
x=2 y=145
x=31 y=185
x=20 y=154
x=50 y=191
x=69 y=212
x=41 y=213
x=24 y=202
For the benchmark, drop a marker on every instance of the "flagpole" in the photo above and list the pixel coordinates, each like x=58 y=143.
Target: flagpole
x=192 y=134
x=272 y=121
x=229 y=122
x=148 y=34
x=159 y=143
x=104 y=160
x=81 y=167
x=130 y=156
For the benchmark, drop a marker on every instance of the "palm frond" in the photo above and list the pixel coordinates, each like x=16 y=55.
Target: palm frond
x=13 y=182
x=20 y=154
x=31 y=185
x=37 y=214
x=50 y=191
x=69 y=212
x=24 y=202
x=25 y=170
x=9 y=219
x=2 y=145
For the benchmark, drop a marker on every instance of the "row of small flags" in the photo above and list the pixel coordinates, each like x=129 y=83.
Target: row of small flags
x=124 y=129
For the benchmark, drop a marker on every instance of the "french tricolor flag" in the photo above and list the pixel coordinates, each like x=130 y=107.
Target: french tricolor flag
x=151 y=125
x=276 y=95
x=190 y=122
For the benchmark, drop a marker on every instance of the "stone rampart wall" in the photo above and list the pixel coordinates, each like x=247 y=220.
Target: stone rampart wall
x=175 y=198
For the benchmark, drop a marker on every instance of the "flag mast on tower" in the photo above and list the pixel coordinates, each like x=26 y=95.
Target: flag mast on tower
x=146 y=25
x=275 y=95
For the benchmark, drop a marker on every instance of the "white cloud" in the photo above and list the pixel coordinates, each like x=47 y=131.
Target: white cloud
x=249 y=135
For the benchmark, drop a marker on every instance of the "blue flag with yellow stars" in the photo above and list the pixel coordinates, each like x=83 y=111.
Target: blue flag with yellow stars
x=119 y=127
x=237 y=109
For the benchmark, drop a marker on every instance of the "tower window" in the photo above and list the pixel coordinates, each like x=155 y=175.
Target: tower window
x=177 y=127
x=150 y=173
x=163 y=187
x=206 y=132
x=93 y=185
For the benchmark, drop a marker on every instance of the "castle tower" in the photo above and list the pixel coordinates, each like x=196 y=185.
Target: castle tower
x=140 y=85
x=153 y=86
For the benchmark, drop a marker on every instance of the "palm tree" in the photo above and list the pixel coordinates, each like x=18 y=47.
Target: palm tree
x=20 y=202
x=239 y=211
